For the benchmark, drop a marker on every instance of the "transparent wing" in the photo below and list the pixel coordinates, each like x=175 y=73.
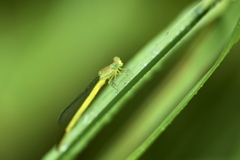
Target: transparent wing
x=69 y=112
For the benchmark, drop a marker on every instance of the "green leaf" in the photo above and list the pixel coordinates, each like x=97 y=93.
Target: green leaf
x=177 y=86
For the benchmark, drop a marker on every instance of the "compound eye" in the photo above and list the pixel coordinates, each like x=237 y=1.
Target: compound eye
x=115 y=65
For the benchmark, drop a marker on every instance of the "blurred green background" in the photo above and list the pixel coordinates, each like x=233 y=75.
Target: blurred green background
x=50 y=50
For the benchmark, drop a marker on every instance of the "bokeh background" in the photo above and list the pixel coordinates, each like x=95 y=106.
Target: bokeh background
x=50 y=50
